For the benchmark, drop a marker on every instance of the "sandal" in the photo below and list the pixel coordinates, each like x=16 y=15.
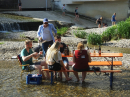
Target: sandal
x=69 y=79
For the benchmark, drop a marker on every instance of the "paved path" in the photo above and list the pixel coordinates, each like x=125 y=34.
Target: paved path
x=55 y=15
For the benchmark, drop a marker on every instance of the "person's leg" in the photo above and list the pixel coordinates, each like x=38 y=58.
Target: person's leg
x=75 y=17
x=99 y=25
x=66 y=63
x=76 y=75
x=39 y=67
x=83 y=76
x=114 y=23
x=43 y=63
x=45 y=47
x=66 y=76
x=78 y=17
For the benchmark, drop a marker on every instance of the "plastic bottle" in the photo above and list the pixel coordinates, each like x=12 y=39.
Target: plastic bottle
x=99 y=49
x=88 y=49
x=94 y=50
x=67 y=50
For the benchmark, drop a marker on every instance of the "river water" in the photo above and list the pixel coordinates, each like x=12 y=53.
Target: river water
x=11 y=84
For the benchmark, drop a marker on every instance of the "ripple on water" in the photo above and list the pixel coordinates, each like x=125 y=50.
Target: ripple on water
x=95 y=86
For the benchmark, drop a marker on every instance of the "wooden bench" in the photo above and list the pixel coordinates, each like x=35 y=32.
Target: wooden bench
x=94 y=63
x=101 y=63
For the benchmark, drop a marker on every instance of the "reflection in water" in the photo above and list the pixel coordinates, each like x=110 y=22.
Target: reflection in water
x=95 y=86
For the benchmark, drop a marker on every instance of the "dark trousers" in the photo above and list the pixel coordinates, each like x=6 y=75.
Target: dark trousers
x=45 y=46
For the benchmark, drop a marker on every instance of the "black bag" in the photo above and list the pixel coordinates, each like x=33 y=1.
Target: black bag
x=96 y=69
x=56 y=66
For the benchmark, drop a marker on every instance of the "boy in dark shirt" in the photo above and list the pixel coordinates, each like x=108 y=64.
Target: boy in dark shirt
x=62 y=48
x=76 y=14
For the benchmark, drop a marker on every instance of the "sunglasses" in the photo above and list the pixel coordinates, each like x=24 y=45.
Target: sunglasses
x=45 y=23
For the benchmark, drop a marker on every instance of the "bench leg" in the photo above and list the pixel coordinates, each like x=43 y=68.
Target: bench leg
x=111 y=75
x=52 y=77
x=111 y=79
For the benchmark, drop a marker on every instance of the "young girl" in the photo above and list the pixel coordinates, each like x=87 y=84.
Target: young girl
x=113 y=19
x=63 y=10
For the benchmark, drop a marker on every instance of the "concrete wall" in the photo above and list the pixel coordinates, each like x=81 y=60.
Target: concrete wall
x=98 y=8
x=36 y=3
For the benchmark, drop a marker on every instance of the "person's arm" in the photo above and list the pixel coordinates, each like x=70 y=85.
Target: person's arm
x=25 y=58
x=96 y=21
x=60 y=59
x=73 y=56
x=61 y=62
x=39 y=32
x=89 y=58
x=53 y=28
x=38 y=55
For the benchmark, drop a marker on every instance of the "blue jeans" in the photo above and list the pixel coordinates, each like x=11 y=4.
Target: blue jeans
x=65 y=60
x=45 y=47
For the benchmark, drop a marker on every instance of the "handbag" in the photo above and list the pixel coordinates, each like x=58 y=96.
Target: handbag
x=96 y=69
x=56 y=66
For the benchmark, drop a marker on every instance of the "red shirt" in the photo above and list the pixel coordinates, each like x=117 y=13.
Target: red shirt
x=81 y=59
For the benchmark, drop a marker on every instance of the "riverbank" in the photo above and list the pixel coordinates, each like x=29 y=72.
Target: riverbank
x=12 y=44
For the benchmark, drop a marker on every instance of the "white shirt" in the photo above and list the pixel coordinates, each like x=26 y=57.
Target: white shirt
x=47 y=35
x=50 y=60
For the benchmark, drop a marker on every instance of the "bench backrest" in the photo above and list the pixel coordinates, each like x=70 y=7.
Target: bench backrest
x=19 y=59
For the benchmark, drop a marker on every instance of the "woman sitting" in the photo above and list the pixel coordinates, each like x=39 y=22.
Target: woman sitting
x=53 y=54
x=81 y=58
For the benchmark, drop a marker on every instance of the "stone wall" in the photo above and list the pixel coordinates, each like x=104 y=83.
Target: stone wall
x=8 y=4
x=96 y=9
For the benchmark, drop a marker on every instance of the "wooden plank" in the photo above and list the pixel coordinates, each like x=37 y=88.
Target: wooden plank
x=114 y=71
x=101 y=63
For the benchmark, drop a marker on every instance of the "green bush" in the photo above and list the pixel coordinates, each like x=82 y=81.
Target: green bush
x=81 y=34
x=123 y=29
x=94 y=39
x=1 y=43
x=109 y=33
x=62 y=31
x=128 y=19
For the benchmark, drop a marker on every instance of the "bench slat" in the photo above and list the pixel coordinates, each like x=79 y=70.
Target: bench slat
x=114 y=71
x=101 y=63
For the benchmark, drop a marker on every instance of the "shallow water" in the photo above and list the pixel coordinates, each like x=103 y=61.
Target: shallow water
x=110 y=49
x=11 y=84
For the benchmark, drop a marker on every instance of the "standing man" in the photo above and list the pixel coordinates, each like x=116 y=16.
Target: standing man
x=27 y=55
x=45 y=35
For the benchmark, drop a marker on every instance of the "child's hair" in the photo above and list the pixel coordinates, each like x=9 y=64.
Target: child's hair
x=57 y=37
x=63 y=4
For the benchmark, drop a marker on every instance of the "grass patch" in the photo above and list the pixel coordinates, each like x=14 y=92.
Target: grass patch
x=1 y=43
x=18 y=17
x=94 y=39
x=80 y=34
x=22 y=35
x=62 y=31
